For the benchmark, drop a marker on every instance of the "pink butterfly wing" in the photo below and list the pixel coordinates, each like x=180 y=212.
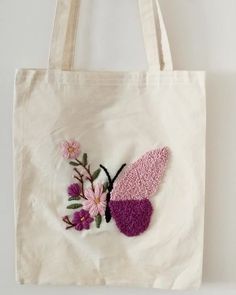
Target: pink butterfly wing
x=130 y=205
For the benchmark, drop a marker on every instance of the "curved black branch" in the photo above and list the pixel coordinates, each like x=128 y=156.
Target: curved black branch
x=107 y=174
x=118 y=172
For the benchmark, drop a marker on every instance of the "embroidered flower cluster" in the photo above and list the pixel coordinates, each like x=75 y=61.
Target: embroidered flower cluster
x=85 y=195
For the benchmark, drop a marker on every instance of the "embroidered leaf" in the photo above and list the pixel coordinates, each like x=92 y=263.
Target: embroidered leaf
x=85 y=159
x=73 y=163
x=98 y=220
x=74 y=199
x=105 y=186
x=96 y=174
x=74 y=206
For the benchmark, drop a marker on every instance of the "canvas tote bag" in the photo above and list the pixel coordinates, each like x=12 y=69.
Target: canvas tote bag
x=109 y=167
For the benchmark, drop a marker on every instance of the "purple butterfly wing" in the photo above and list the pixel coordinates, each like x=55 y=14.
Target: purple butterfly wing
x=130 y=205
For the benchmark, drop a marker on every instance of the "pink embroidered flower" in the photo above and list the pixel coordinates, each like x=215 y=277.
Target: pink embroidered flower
x=70 y=149
x=74 y=190
x=96 y=200
x=82 y=219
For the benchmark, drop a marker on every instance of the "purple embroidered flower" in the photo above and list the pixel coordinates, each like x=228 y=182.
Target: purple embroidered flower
x=70 y=149
x=82 y=219
x=74 y=190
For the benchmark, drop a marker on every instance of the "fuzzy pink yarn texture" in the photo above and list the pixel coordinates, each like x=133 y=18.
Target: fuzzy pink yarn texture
x=141 y=179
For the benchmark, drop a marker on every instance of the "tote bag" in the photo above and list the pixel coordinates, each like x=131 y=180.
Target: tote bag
x=109 y=167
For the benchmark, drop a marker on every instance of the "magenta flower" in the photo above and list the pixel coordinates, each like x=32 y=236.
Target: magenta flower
x=70 y=149
x=82 y=219
x=74 y=190
x=96 y=200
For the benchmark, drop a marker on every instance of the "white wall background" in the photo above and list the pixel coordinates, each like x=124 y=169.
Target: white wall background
x=203 y=36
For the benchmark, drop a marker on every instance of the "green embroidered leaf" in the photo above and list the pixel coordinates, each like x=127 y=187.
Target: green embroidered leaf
x=85 y=159
x=73 y=163
x=74 y=206
x=74 y=199
x=98 y=220
x=105 y=186
x=96 y=174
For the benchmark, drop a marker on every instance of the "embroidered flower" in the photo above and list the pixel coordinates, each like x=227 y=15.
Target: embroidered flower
x=74 y=190
x=82 y=219
x=70 y=149
x=96 y=200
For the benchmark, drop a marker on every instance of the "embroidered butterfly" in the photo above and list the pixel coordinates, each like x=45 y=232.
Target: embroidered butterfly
x=125 y=197
x=130 y=190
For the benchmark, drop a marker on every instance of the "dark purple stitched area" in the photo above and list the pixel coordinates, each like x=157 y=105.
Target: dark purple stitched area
x=132 y=217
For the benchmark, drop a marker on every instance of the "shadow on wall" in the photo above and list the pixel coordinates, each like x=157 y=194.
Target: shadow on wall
x=189 y=53
x=220 y=215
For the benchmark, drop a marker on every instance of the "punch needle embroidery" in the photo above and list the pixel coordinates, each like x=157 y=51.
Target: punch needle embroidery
x=125 y=197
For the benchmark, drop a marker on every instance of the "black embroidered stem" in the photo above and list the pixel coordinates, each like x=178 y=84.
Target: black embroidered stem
x=107 y=174
x=108 y=210
x=118 y=172
x=110 y=188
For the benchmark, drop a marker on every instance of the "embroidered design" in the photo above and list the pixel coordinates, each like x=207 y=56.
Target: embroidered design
x=74 y=191
x=70 y=149
x=90 y=197
x=96 y=200
x=125 y=197
x=142 y=178
x=81 y=220
x=130 y=205
x=132 y=217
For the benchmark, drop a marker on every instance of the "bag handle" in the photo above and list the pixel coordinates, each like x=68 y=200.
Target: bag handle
x=154 y=33
x=155 y=36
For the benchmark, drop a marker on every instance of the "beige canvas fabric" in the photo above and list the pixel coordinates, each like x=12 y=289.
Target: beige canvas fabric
x=128 y=114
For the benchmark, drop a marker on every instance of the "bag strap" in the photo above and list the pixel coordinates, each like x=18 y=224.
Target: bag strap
x=154 y=33
x=155 y=36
